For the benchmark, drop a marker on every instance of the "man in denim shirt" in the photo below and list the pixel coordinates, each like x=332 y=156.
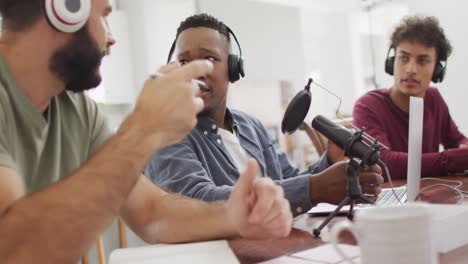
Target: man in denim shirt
x=207 y=163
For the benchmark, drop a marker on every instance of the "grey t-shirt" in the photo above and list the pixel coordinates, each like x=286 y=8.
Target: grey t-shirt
x=44 y=147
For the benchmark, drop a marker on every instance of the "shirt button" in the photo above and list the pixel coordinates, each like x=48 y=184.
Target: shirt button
x=299 y=210
x=205 y=132
x=219 y=141
x=213 y=127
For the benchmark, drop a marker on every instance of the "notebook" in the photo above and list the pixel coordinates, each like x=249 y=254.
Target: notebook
x=406 y=193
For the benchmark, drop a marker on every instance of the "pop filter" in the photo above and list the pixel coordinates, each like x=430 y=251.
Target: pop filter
x=297 y=110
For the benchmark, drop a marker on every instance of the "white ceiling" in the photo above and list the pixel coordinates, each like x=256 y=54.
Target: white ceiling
x=319 y=5
x=329 y=5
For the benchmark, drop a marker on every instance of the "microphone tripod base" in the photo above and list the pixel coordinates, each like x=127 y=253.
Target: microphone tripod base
x=354 y=193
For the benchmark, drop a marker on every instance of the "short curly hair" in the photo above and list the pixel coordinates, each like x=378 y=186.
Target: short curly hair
x=204 y=20
x=425 y=30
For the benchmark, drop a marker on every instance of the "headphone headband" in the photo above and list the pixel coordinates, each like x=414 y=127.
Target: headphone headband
x=235 y=39
x=171 y=51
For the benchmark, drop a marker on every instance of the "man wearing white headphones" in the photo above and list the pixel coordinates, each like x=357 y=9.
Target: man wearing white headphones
x=63 y=177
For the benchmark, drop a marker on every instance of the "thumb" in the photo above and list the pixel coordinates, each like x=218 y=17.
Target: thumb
x=339 y=165
x=246 y=180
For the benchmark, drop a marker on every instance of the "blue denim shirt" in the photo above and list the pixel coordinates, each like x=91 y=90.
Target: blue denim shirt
x=200 y=165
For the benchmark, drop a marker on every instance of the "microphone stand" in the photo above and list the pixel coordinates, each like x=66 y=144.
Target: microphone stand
x=353 y=188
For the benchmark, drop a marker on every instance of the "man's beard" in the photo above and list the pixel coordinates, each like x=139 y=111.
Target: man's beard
x=77 y=63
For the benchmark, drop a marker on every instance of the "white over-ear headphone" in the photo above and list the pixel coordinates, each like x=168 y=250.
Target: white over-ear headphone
x=68 y=15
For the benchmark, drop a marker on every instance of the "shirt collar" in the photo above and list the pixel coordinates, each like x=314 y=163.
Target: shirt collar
x=208 y=125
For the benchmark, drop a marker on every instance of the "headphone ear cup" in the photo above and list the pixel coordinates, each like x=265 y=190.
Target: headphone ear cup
x=439 y=73
x=389 y=62
x=241 y=67
x=233 y=68
x=235 y=62
x=68 y=15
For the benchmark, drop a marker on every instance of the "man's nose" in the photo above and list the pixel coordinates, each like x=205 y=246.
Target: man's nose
x=411 y=67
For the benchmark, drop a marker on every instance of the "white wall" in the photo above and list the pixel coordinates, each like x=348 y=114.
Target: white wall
x=328 y=54
x=117 y=86
x=453 y=18
x=370 y=33
x=270 y=36
x=134 y=10
x=152 y=30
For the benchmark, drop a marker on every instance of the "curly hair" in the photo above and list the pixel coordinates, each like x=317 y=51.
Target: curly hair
x=425 y=30
x=18 y=15
x=204 y=20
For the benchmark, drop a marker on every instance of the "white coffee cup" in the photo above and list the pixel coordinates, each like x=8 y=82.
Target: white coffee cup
x=389 y=235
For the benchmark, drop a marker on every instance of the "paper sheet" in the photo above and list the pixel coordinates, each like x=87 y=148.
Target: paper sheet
x=325 y=254
x=202 y=252
x=290 y=260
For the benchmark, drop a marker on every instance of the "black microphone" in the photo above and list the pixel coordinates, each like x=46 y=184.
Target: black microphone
x=350 y=142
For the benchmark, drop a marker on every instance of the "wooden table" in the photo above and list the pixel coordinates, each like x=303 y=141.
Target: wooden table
x=253 y=251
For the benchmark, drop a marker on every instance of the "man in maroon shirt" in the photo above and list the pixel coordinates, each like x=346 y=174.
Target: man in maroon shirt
x=421 y=51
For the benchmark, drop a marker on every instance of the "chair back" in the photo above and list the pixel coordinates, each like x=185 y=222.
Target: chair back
x=100 y=250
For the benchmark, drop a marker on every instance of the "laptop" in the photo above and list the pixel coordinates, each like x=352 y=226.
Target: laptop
x=406 y=193
x=411 y=190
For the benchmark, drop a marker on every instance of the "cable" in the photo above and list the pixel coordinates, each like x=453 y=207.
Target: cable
x=460 y=200
x=387 y=173
x=456 y=188
x=461 y=193
x=459 y=183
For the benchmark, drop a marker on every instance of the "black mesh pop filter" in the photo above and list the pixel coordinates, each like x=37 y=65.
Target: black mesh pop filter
x=297 y=110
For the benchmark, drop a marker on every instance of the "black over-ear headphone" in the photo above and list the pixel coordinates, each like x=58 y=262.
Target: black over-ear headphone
x=437 y=76
x=235 y=62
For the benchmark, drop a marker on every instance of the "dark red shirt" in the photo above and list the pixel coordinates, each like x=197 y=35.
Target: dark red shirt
x=383 y=119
